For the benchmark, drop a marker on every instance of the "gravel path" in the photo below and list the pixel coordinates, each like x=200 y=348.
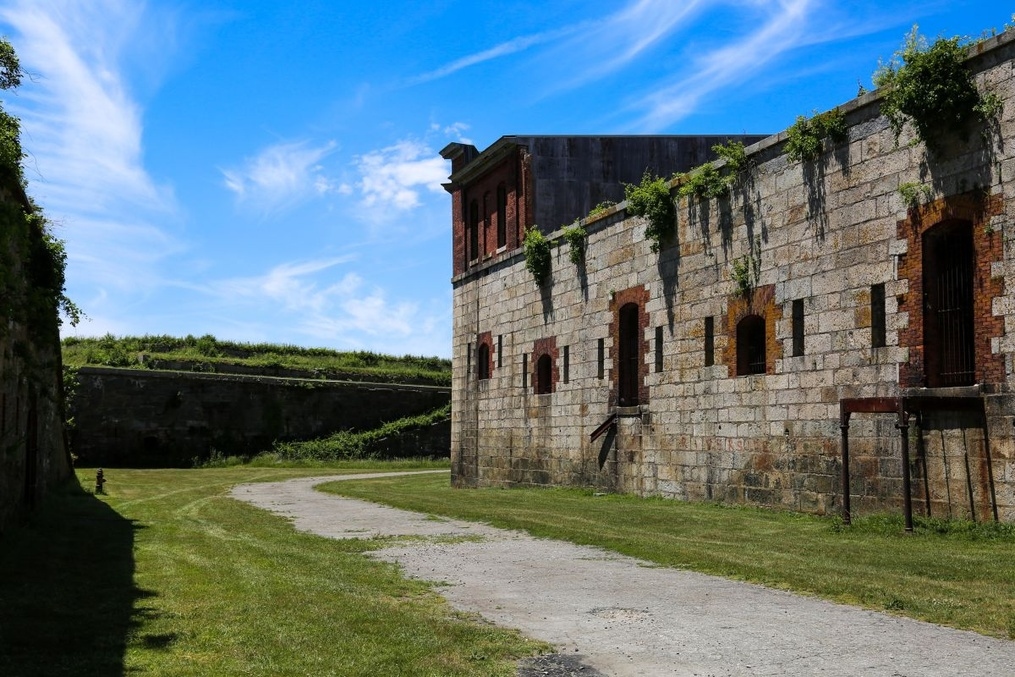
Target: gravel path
x=608 y=614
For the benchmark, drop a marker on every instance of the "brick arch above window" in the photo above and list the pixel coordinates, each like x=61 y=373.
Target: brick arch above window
x=484 y=356
x=760 y=303
x=976 y=208
x=545 y=372
x=638 y=297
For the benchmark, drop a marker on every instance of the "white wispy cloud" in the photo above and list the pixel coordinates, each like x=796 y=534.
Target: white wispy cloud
x=392 y=178
x=505 y=48
x=281 y=175
x=786 y=28
x=591 y=48
x=326 y=302
x=82 y=130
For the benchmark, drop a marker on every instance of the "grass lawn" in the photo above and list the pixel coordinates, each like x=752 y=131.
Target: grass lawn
x=166 y=575
x=961 y=575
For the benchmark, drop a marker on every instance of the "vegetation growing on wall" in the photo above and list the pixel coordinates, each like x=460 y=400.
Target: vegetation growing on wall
x=577 y=238
x=347 y=444
x=930 y=88
x=537 y=254
x=806 y=137
x=601 y=208
x=651 y=199
x=707 y=181
x=32 y=260
x=915 y=194
x=155 y=352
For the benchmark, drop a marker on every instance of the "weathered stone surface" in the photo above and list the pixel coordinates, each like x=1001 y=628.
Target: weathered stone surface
x=824 y=232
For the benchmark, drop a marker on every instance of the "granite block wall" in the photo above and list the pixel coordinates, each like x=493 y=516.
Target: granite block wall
x=832 y=235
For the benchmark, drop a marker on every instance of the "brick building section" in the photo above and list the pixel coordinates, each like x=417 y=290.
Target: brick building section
x=761 y=302
x=638 y=296
x=540 y=347
x=979 y=210
x=485 y=339
x=823 y=241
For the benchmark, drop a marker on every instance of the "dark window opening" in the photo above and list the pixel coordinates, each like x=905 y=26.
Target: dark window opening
x=500 y=351
x=468 y=360
x=525 y=371
x=567 y=364
x=629 y=355
x=473 y=231
x=501 y=216
x=798 y=327
x=879 y=338
x=751 y=345
x=949 y=353
x=709 y=341
x=544 y=375
x=483 y=361
x=659 y=349
x=601 y=373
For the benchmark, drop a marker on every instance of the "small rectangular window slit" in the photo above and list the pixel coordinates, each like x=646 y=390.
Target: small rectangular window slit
x=798 y=327
x=709 y=341
x=878 y=324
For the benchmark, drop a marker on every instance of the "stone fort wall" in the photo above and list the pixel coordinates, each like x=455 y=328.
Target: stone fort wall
x=839 y=268
x=143 y=418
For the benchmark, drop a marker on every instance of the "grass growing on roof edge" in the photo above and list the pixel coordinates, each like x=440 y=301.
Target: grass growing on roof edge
x=951 y=573
x=168 y=575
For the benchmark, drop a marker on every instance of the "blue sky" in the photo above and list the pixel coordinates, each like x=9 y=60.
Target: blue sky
x=269 y=171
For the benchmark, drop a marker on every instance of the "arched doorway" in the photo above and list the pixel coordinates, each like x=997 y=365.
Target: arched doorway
x=948 y=332
x=629 y=356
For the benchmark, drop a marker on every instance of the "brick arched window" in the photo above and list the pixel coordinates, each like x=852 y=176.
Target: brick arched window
x=544 y=375
x=948 y=338
x=501 y=216
x=483 y=362
x=751 y=345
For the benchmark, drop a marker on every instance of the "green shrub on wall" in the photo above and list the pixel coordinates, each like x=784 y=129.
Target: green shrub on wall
x=651 y=199
x=576 y=237
x=930 y=88
x=537 y=254
x=806 y=137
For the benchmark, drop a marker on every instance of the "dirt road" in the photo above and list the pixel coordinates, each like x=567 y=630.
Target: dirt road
x=614 y=615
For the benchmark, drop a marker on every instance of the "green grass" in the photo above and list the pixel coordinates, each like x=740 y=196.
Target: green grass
x=167 y=575
x=956 y=574
x=211 y=354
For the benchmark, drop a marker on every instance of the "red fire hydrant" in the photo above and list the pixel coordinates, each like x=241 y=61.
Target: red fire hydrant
x=99 y=481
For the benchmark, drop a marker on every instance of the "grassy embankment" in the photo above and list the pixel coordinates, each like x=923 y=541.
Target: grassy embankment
x=167 y=575
x=206 y=353
x=210 y=354
x=952 y=573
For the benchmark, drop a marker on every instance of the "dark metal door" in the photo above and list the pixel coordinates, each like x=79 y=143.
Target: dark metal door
x=630 y=355
x=948 y=279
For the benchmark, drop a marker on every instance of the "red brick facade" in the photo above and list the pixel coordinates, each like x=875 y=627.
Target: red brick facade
x=479 y=198
x=544 y=346
x=976 y=208
x=638 y=296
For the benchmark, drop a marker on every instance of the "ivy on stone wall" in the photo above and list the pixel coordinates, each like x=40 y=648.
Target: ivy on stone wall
x=577 y=238
x=806 y=137
x=930 y=88
x=537 y=254
x=651 y=199
x=32 y=260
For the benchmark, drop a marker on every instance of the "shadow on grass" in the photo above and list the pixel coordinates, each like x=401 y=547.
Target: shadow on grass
x=67 y=595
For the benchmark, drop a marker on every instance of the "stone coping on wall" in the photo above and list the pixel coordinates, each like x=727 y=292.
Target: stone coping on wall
x=974 y=51
x=280 y=380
